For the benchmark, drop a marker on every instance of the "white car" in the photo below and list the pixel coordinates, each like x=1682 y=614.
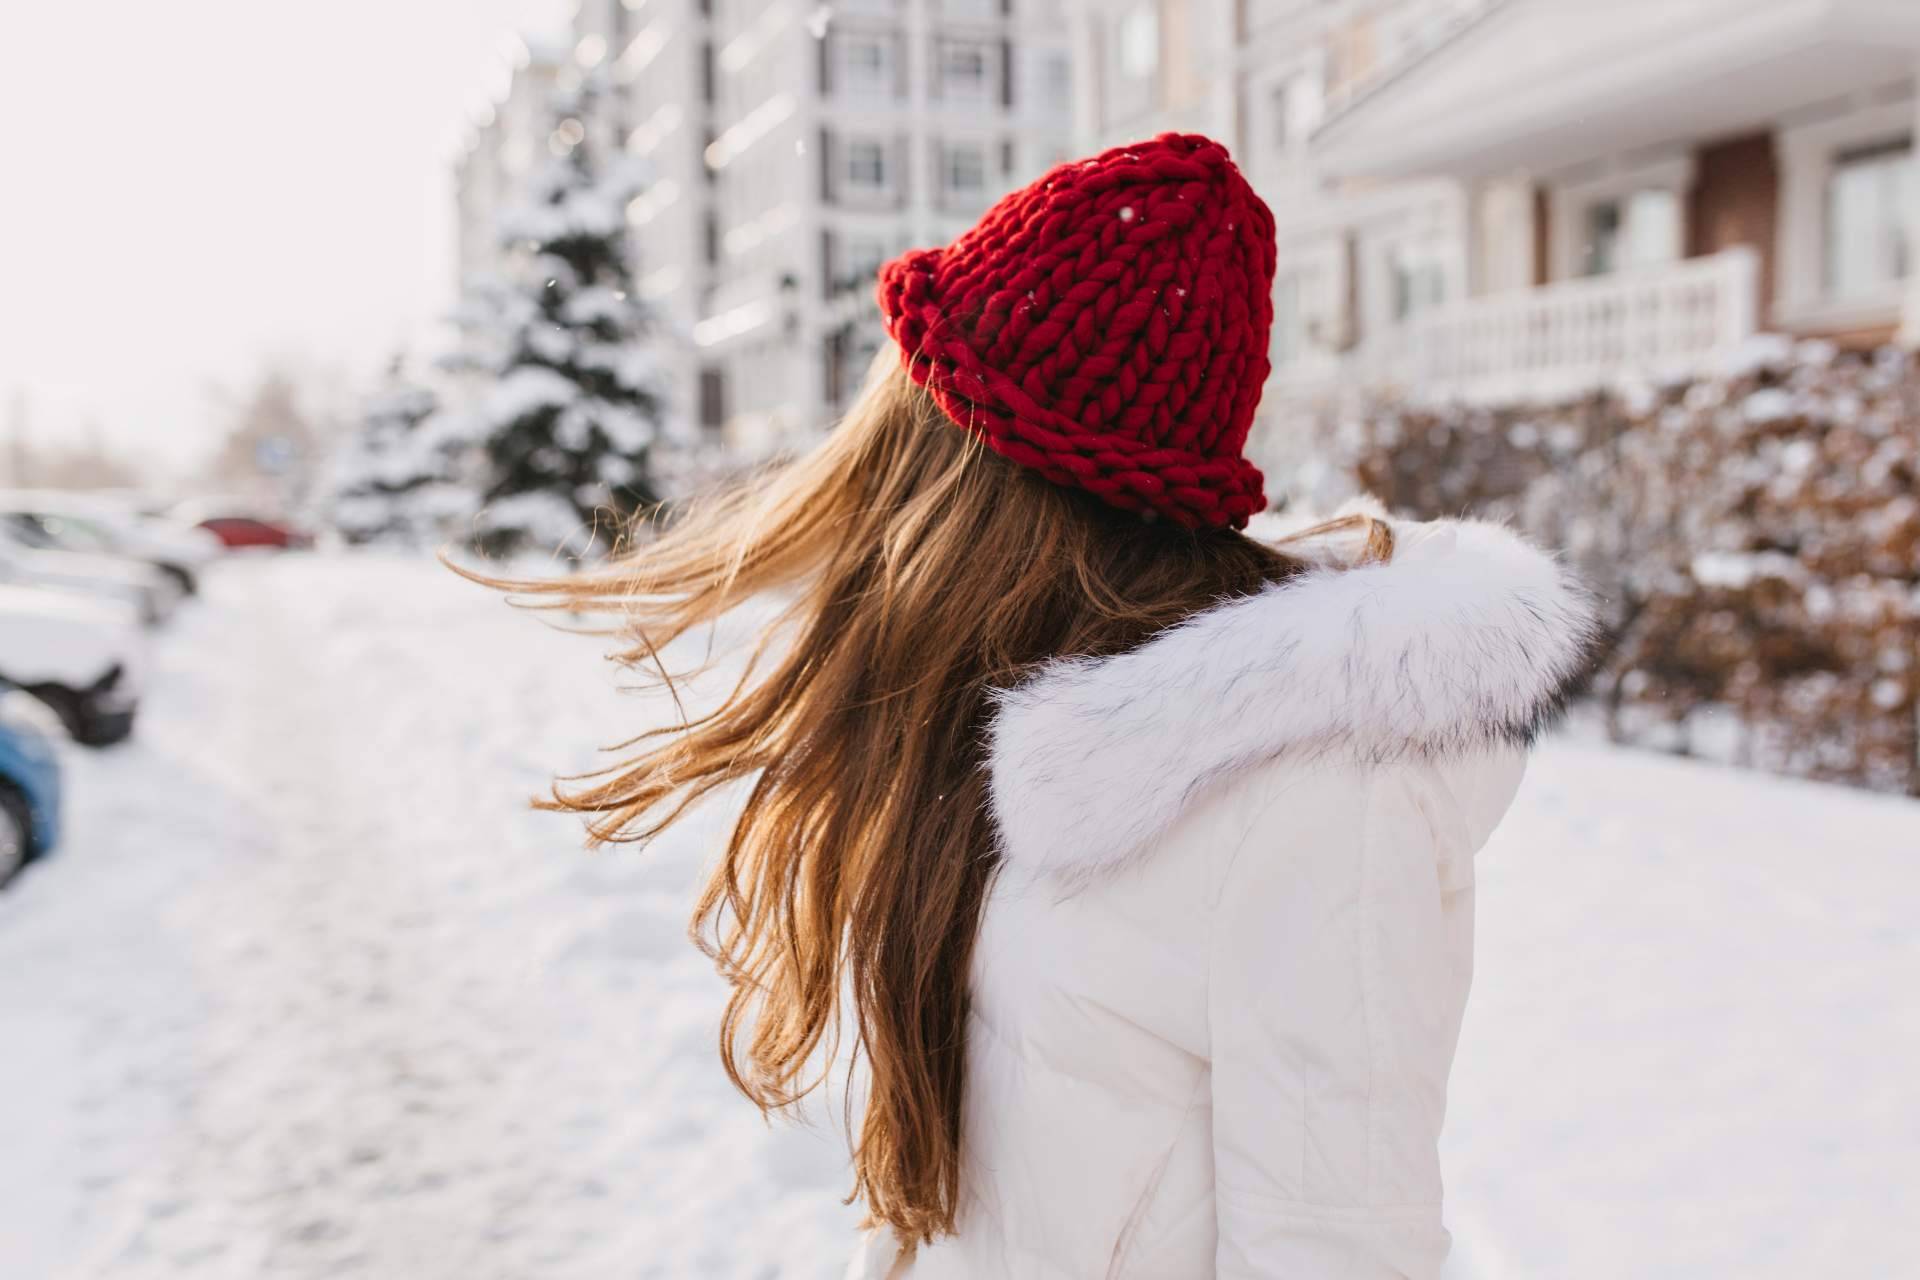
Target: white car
x=82 y=522
x=150 y=593
x=82 y=658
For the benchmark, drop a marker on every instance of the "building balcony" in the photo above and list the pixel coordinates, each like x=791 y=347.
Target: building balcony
x=1399 y=39
x=1541 y=85
x=1553 y=341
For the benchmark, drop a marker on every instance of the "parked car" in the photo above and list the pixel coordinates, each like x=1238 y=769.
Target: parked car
x=253 y=531
x=25 y=562
x=85 y=522
x=29 y=783
x=239 y=522
x=82 y=658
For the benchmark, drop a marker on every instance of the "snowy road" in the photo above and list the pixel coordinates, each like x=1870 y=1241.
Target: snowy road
x=311 y=993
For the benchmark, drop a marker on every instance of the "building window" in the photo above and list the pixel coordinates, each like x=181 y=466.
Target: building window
x=1288 y=321
x=1133 y=72
x=1416 y=278
x=866 y=64
x=865 y=256
x=966 y=172
x=1655 y=228
x=857 y=262
x=1600 y=245
x=1295 y=108
x=849 y=350
x=1140 y=41
x=963 y=70
x=1870 y=192
x=713 y=398
x=866 y=165
x=867 y=58
x=1641 y=229
x=1056 y=73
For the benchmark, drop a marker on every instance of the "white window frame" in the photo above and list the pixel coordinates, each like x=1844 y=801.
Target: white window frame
x=863 y=254
x=1432 y=259
x=1807 y=155
x=1055 y=90
x=1891 y=152
x=1137 y=40
x=948 y=187
x=1289 y=344
x=1296 y=103
x=1285 y=101
x=863 y=83
x=1431 y=220
x=964 y=92
x=1317 y=330
x=855 y=182
x=1571 y=201
x=1133 y=63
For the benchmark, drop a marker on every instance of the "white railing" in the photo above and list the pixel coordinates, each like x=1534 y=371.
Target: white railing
x=1564 y=338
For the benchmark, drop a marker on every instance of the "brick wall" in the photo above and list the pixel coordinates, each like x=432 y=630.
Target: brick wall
x=1736 y=200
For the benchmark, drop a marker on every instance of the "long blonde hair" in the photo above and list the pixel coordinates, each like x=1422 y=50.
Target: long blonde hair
x=923 y=571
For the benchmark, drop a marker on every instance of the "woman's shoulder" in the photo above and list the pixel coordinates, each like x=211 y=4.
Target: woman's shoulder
x=1469 y=639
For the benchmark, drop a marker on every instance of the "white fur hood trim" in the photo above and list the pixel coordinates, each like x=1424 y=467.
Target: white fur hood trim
x=1467 y=637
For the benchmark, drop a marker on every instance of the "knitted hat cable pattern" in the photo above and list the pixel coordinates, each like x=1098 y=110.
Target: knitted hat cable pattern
x=1107 y=327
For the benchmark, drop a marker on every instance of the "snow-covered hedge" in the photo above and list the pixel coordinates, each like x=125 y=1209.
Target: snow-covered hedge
x=1756 y=535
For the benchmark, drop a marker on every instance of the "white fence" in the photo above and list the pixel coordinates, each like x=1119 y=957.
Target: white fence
x=1564 y=338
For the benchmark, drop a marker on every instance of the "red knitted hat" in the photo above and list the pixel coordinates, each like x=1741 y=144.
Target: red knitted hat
x=1107 y=326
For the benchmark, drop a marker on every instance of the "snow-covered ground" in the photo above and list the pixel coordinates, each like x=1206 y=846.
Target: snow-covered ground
x=1693 y=1047
x=311 y=992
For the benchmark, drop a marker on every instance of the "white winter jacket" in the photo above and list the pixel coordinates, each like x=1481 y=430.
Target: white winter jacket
x=1220 y=976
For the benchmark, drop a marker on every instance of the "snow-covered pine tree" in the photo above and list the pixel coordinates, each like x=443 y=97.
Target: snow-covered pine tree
x=568 y=422
x=395 y=481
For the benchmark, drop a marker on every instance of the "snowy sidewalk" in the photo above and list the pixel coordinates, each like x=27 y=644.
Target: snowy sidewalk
x=1693 y=1046
x=310 y=993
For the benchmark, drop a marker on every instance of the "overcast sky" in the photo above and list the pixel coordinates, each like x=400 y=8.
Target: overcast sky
x=195 y=186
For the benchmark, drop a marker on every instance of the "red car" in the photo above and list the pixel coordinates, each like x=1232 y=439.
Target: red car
x=250 y=531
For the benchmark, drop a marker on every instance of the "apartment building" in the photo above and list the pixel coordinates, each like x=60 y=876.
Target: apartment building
x=1658 y=182
x=796 y=147
x=509 y=139
x=1262 y=76
x=1491 y=199
x=658 y=59
x=601 y=30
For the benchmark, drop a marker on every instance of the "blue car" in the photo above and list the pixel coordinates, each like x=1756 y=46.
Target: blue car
x=29 y=783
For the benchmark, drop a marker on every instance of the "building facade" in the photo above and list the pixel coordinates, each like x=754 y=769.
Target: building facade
x=1486 y=199
x=659 y=60
x=1660 y=180
x=1495 y=199
x=793 y=149
x=508 y=140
